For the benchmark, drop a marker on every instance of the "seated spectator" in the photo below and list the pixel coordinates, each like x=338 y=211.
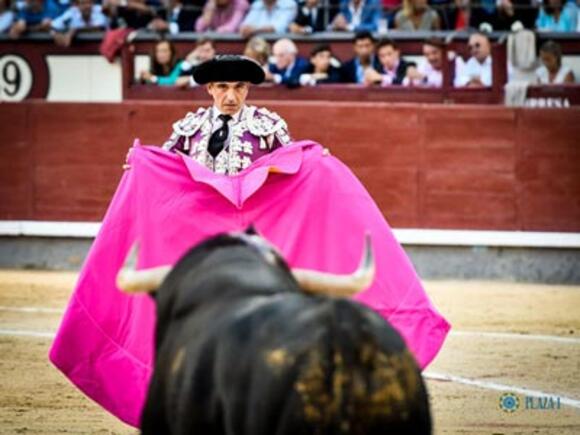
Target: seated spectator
x=204 y=50
x=59 y=7
x=320 y=70
x=258 y=49
x=476 y=72
x=222 y=16
x=6 y=16
x=446 y=10
x=268 y=16
x=390 y=8
x=417 y=15
x=510 y=11
x=555 y=18
x=354 y=70
x=85 y=17
x=429 y=72
x=165 y=67
x=552 y=72
x=393 y=68
x=288 y=66
x=483 y=11
x=458 y=15
x=35 y=16
x=357 y=16
x=134 y=14
x=311 y=18
x=176 y=16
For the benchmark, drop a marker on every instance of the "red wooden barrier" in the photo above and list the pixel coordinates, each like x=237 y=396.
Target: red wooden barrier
x=427 y=166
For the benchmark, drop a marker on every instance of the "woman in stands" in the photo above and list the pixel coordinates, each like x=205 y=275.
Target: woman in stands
x=552 y=72
x=417 y=15
x=165 y=66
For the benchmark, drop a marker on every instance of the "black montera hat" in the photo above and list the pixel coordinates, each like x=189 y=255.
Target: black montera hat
x=229 y=68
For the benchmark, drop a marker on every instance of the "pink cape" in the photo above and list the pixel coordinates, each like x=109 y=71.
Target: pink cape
x=307 y=204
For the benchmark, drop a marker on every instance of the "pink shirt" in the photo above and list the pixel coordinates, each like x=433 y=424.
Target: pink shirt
x=226 y=20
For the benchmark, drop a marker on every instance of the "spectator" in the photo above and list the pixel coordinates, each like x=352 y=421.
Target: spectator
x=320 y=70
x=483 y=11
x=165 y=67
x=35 y=16
x=134 y=14
x=268 y=16
x=554 y=18
x=456 y=15
x=85 y=17
x=6 y=16
x=390 y=8
x=393 y=68
x=476 y=72
x=204 y=51
x=552 y=72
x=258 y=49
x=222 y=16
x=510 y=11
x=417 y=15
x=429 y=72
x=176 y=16
x=288 y=66
x=311 y=18
x=358 y=16
x=353 y=71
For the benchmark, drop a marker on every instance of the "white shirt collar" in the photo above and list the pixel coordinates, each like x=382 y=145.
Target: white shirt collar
x=216 y=112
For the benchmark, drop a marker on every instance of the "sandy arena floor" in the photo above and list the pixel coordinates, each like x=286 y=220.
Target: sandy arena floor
x=506 y=336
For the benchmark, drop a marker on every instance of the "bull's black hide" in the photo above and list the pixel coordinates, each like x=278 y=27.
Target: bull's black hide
x=241 y=350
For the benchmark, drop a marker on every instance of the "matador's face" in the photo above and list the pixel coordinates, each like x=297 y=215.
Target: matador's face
x=228 y=97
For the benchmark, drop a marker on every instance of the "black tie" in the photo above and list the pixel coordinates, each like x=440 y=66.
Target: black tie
x=218 y=137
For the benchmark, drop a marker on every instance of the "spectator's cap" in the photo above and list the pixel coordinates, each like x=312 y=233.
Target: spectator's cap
x=229 y=68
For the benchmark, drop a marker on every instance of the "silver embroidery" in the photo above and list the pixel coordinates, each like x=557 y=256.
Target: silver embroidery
x=237 y=156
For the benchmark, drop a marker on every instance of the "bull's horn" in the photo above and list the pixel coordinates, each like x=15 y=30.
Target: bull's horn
x=131 y=280
x=339 y=285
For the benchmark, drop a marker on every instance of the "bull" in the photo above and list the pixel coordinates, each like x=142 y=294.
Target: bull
x=246 y=346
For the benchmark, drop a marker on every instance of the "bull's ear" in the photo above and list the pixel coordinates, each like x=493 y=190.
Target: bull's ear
x=251 y=230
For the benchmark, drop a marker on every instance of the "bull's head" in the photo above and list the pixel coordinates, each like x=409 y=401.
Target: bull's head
x=313 y=282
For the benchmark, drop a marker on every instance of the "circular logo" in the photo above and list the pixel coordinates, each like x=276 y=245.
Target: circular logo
x=509 y=402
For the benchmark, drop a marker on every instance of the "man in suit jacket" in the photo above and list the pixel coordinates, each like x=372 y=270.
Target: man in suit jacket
x=288 y=66
x=321 y=69
x=311 y=17
x=354 y=70
x=392 y=69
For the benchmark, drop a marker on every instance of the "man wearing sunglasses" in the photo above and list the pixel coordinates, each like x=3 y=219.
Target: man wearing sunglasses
x=476 y=72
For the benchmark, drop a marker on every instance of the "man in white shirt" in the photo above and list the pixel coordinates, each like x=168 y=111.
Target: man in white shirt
x=268 y=16
x=429 y=72
x=477 y=71
x=85 y=17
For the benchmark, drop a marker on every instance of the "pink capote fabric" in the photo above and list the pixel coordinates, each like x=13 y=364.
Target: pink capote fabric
x=307 y=204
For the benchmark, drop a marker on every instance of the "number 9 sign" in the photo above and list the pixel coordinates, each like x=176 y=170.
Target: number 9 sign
x=15 y=78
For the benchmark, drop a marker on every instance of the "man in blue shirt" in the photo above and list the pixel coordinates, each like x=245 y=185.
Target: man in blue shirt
x=34 y=17
x=358 y=16
x=268 y=16
x=354 y=70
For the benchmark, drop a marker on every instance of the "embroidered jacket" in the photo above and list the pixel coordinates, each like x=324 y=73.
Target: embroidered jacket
x=256 y=133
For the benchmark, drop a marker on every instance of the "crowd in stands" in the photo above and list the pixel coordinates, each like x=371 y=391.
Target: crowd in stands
x=252 y=17
x=374 y=63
